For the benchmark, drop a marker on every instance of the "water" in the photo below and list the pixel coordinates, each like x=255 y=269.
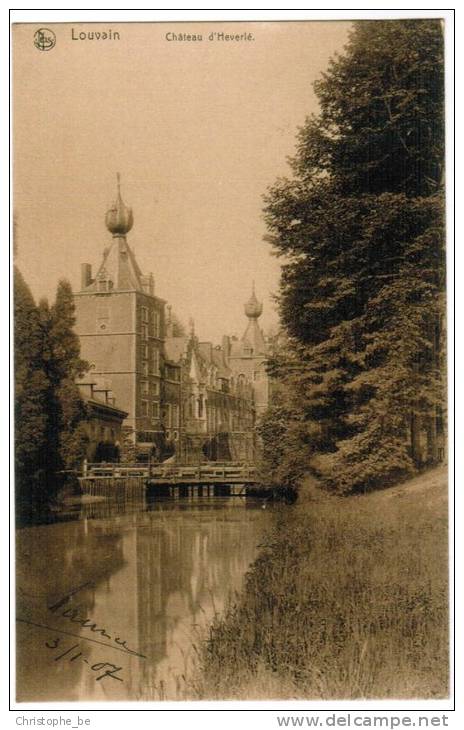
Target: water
x=113 y=598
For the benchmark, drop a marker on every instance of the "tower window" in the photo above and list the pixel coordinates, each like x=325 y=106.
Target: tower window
x=103 y=316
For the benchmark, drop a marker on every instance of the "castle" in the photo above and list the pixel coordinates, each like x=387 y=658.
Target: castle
x=185 y=399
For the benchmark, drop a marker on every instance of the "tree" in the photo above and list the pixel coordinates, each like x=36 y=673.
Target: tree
x=361 y=225
x=381 y=122
x=64 y=342
x=49 y=412
x=128 y=449
x=67 y=410
x=31 y=388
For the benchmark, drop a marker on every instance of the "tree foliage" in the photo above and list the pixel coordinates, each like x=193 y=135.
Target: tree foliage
x=49 y=412
x=361 y=227
x=65 y=366
x=31 y=389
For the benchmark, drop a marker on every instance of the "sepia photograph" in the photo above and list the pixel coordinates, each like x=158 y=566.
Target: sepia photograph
x=230 y=361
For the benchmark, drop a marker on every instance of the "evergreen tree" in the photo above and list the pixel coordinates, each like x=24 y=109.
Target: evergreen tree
x=64 y=342
x=31 y=388
x=49 y=412
x=361 y=225
x=67 y=409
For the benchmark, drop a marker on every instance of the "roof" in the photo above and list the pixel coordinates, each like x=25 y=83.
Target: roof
x=119 y=267
x=99 y=405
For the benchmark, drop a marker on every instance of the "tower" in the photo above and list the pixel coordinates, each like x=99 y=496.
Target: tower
x=120 y=323
x=248 y=356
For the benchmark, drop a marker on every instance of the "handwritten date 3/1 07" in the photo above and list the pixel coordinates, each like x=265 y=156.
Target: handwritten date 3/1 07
x=73 y=653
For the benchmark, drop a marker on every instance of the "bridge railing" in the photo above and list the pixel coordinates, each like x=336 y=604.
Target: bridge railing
x=172 y=472
x=115 y=470
x=206 y=473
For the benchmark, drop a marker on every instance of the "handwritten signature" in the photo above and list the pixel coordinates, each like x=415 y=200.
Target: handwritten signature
x=72 y=651
x=72 y=613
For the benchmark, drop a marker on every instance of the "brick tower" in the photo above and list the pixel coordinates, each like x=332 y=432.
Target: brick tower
x=120 y=323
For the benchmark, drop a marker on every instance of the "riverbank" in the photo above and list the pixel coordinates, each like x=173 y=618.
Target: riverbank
x=348 y=599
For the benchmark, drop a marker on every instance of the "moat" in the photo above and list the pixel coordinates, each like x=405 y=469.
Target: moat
x=114 y=598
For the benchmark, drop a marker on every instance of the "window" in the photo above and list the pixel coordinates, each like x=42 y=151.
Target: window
x=155 y=361
x=144 y=311
x=144 y=408
x=144 y=332
x=146 y=437
x=145 y=351
x=155 y=388
x=171 y=415
x=156 y=324
x=103 y=316
x=145 y=368
x=155 y=409
x=173 y=373
x=144 y=387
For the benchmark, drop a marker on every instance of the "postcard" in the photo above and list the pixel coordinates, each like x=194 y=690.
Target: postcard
x=231 y=456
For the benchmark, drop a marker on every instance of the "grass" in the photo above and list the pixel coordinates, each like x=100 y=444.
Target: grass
x=348 y=599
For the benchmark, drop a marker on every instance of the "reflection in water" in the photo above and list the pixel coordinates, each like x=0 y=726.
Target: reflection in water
x=143 y=578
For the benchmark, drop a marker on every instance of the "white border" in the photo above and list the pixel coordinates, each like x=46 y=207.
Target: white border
x=208 y=714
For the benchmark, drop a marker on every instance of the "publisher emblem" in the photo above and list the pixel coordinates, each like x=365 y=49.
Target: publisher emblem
x=44 y=39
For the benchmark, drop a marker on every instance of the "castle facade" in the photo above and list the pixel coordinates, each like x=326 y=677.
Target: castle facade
x=185 y=399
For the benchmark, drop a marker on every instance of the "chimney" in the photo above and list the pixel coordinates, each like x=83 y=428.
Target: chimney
x=86 y=275
x=226 y=346
x=148 y=284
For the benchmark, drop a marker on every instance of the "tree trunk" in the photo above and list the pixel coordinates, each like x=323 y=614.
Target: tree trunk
x=416 y=423
x=432 y=445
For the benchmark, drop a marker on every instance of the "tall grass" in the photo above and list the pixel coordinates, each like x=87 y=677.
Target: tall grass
x=348 y=599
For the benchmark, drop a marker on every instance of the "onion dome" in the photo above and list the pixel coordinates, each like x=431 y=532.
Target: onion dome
x=253 y=308
x=119 y=219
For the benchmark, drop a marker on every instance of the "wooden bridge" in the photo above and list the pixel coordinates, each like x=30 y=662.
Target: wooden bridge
x=203 y=474
x=210 y=478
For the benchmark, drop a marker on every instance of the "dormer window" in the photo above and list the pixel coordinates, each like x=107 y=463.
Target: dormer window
x=105 y=285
